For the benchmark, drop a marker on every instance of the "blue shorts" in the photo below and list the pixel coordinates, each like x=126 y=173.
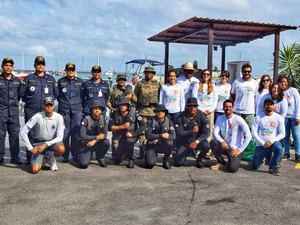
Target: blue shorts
x=38 y=158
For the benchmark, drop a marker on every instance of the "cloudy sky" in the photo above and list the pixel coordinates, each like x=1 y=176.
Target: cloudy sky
x=76 y=31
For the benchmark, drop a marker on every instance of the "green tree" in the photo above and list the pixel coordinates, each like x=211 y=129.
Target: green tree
x=289 y=63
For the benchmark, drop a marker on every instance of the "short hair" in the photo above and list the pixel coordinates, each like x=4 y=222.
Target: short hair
x=246 y=65
x=228 y=100
x=226 y=73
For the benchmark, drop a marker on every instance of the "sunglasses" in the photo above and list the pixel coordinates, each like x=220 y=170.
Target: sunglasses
x=266 y=80
x=40 y=63
x=224 y=76
x=247 y=71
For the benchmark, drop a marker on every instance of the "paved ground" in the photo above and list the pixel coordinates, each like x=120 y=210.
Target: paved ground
x=117 y=195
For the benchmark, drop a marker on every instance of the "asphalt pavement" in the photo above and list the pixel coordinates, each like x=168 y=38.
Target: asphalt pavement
x=118 y=195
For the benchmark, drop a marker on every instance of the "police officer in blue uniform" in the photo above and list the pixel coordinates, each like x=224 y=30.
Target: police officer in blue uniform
x=37 y=86
x=70 y=107
x=95 y=89
x=10 y=94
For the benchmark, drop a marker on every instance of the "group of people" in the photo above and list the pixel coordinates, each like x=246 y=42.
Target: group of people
x=184 y=117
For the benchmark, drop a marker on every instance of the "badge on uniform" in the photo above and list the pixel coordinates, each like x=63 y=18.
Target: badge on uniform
x=91 y=95
x=64 y=90
x=32 y=88
x=46 y=90
x=100 y=93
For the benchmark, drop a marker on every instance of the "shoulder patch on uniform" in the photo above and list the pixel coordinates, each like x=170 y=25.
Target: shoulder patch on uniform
x=139 y=118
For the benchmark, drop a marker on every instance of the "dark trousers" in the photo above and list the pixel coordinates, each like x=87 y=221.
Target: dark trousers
x=234 y=163
x=165 y=147
x=85 y=153
x=71 y=133
x=11 y=125
x=183 y=151
x=125 y=146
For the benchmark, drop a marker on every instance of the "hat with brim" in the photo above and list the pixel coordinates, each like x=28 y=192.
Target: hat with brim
x=192 y=102
x=48 y=100
x=70 y=66
x=160 y=108
x=39 y=59
x=121 y=77
x=189 y=66
x=149 y=69
x=7 y=60
x=96 y=69
x=123 y=101
x=269 y=100
x=97 y=104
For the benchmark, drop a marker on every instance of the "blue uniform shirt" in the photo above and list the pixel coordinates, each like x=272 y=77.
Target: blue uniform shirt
x=70 y=95
x=35 y=90
x=10 y=94
x=94 y=92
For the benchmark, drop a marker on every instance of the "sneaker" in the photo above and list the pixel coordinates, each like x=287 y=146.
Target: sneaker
x=274 y=172
x=297 y=158
x=215 y=167
x=286 y=157
x=53 y=166
x=130 y=164
x=102 y=162
x=16 y=161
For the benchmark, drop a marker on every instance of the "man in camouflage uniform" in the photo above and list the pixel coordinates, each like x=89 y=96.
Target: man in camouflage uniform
x=147 y=93
x=116 y=93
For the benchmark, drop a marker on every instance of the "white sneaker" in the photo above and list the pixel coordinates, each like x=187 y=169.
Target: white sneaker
x=53 y=166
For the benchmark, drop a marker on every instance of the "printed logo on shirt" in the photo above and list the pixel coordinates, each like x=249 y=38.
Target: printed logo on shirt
x=204 y=97
x=246 y=90
x=170 y=99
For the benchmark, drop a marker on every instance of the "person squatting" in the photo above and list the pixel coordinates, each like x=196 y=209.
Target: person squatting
x=186 y=117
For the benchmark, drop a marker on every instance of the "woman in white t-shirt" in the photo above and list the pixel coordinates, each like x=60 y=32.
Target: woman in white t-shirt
x=207 y=97
x=172 y=96
x=263 y=89
x=223 y=89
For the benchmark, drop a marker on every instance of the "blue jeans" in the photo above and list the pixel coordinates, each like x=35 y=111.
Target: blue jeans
x=290 y=125
x=261 y=152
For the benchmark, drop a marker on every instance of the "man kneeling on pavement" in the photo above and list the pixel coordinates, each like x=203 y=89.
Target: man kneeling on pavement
x=127 y=125
x=192 y=130
x=47 y=144
x=231 y=137
x=160 y=135
x=93 y=133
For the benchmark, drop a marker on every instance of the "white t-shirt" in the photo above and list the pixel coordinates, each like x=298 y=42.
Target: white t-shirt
x=258 y=98
x=49 y=130
x=206 y=101
x=223 y=94
x=245 y=92
x=268 y=128
x=279 y=107
x=172 y=97
x=293 y=98
x=234 y=131
x=187 y=84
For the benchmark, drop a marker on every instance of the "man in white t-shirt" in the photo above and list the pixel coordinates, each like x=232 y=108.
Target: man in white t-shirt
x=188 y=81
x=49 y=132
x=243 y=93
x=268 y=129
x=231 y=137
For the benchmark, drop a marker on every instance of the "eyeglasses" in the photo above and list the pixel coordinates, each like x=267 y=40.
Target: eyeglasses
x=266 y=80
x=247 y=71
